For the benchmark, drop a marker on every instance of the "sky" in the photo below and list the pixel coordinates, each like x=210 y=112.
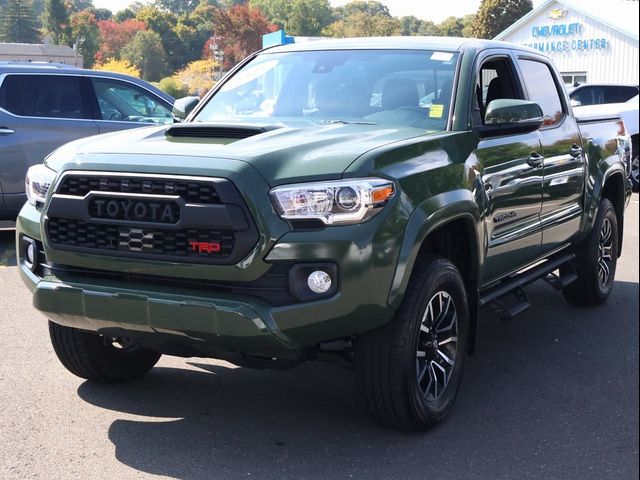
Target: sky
x=433 y=10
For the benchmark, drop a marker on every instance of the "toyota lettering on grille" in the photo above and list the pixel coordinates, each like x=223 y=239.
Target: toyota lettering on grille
x=136 y=210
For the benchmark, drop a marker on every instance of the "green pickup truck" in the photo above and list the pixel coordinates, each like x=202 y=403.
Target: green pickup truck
x=352 y=200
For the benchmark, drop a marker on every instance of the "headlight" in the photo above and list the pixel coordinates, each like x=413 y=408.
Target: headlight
x=37 y=182
x=337 y=202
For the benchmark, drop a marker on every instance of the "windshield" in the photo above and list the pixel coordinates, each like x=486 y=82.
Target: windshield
x=396 y=87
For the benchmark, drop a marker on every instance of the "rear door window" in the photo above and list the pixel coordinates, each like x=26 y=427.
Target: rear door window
x=542 y=89
x=124 y=102
x=47 y=96
x=618 y=93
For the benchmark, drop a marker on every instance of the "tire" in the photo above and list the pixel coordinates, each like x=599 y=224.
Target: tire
x=91 y=356
x=635 y=173
x=395 y=363
x=596 y=260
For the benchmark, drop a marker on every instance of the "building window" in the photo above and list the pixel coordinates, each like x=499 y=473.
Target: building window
x=573 y=79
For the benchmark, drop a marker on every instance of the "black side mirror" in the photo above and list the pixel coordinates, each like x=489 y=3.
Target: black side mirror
x=507 y=116
x=183 y=107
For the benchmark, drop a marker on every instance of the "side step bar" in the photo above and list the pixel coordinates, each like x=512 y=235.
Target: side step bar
x=513 y=285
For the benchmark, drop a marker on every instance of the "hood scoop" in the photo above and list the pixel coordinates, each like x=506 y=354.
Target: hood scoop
x=209 y=130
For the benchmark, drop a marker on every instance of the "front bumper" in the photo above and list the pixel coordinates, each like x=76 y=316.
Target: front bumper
x=180 y=321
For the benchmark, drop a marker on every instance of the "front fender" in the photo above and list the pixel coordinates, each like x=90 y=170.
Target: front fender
x=430 y=215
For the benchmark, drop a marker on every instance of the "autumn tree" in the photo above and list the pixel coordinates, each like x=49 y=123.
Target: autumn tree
x=18 y=23
x=241 y=28
x=494 y=16
x=114 y=36
x=56 y=21
x=164 y=24
x=84 y=29
x=146 y=53
x=177 y=7
x=120 y=66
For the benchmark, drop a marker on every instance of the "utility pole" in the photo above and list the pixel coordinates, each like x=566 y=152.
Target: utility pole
x=217 y=55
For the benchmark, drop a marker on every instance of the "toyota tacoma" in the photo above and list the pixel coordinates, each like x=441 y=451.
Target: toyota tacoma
x=357 y=200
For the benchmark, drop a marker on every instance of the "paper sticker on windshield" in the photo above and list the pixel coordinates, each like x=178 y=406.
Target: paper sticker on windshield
x=441 y=56
x=436 y=111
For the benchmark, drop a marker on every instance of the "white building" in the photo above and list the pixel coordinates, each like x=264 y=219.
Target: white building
x=39 y=52
x=589 y=41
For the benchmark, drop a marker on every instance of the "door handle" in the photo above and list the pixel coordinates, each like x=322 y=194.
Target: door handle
x=575 y=151
x=535 y=160
x=6 y=131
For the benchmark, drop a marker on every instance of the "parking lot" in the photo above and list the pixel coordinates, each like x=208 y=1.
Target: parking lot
x=552 y=394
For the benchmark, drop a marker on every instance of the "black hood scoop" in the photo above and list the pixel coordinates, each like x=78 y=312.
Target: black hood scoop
x=210 y=130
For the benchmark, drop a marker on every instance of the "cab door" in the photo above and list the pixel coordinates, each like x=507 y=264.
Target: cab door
x=510 y=167
x=564 y=163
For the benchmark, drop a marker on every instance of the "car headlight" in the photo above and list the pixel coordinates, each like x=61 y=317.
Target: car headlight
x=37 y=183
x=336 y=202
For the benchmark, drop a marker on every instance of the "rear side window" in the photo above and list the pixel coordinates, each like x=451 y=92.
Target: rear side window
x=51 y=96
x=542 y=89
x=619 y=94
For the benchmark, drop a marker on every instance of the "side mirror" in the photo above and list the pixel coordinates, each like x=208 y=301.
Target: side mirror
x=183 y=107
x=507 y=116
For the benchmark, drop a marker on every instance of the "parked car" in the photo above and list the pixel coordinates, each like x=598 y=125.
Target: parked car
x=596 y=94
x=629 y=114
x=43 y=106
x=312 y=207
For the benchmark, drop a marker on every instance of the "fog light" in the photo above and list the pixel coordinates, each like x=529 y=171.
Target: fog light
x=319 y=282
x=31 y=253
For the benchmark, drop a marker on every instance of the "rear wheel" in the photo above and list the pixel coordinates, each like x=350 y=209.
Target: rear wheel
x=411 y=368
x=596 y=260
x=99 y=358
x=635 y=173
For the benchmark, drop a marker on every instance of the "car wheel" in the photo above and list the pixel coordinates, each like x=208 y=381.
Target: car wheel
x=410 y=369
x=635 y=173
x=596 y=260
x=98 y=358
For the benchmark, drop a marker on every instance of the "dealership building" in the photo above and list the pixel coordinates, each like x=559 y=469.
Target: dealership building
x=589 y=41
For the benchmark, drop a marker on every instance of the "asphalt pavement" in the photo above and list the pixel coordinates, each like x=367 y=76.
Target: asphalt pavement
x=552 y=394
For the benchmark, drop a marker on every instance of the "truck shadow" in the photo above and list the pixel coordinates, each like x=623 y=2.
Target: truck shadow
x=533 y=394
x=7 y=248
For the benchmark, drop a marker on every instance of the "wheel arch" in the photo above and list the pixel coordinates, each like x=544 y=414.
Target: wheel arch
x=447 y=225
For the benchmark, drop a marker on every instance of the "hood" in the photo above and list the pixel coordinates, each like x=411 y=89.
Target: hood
x=281 y=153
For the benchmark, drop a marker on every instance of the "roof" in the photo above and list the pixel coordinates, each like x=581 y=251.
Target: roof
x=401 y=43
x=43 y=49
x=620 y=15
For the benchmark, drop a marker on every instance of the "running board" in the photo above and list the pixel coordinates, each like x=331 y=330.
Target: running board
x=511 y=304
x=517 y=281
x=7 y=225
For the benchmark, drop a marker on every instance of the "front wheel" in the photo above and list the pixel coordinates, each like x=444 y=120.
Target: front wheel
x=99 y=358
x=410 y=369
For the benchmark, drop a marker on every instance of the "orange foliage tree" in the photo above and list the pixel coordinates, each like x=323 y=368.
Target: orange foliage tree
x=115 y=35
x=241 y=28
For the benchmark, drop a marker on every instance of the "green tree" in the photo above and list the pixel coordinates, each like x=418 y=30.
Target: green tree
x=297 y=17
x=85 y=32
x=177 y=7
x=164 y=24
x=361 y=24
x=494 y=16
x=56 y=21
x=18 y=24
x=145 y=52
x=369 y=7
x=451 y=27
x=102 y=13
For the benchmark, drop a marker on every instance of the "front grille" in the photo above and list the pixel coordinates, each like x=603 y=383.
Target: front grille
x=166 y=218
x=192 y=191
x=153 y=241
